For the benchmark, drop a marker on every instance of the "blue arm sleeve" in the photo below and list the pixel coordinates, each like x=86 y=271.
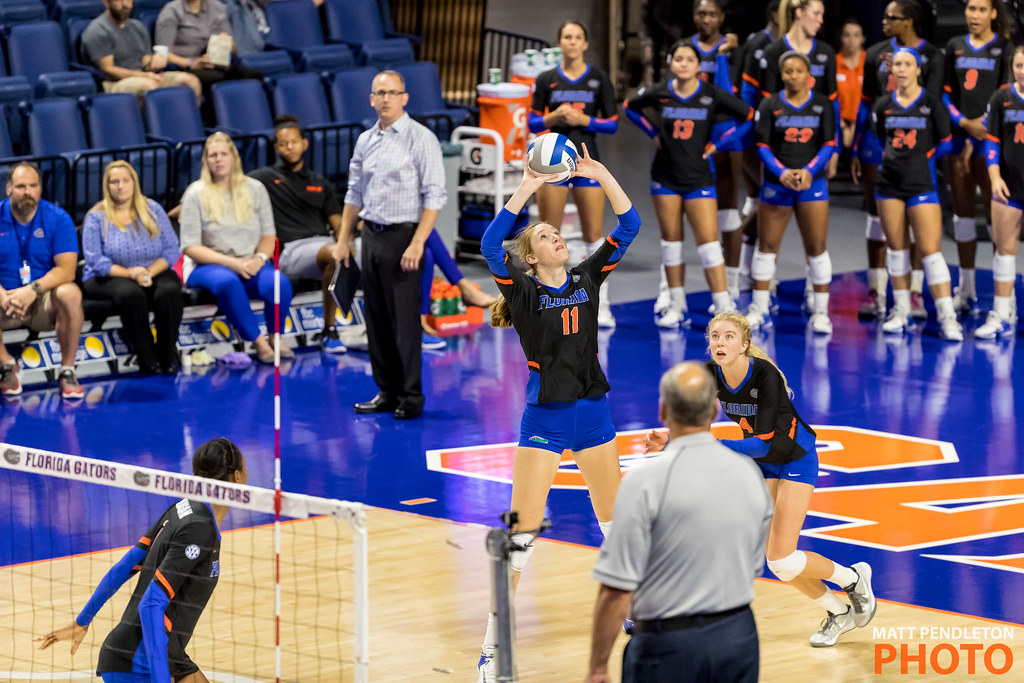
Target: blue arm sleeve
x=768 y=158
x=722 y=79
x=607 y=126
x=490 y=243
x=944 y=147
x=737 y=131
x=624 y=233
x=955 y=114
x=860 y=129
x=750 y=94
x=821 y=158
x=993 y=151
x=751 y=447
x=642 y=123
x=536 y=122
x=154 y=635
x=110 y=583
x=872 y=139
x=839 y=120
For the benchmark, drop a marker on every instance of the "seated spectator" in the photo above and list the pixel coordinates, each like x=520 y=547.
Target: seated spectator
x=120 y=47
x=227 y=234
x=130 y=248
x=249 y=25
x=38 y=257
x=185 y=27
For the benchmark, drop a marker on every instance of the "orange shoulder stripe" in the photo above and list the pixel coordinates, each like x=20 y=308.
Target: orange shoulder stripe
x=165 y=583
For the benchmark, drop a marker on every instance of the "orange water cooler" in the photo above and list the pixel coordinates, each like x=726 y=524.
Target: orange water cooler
x=504 y=108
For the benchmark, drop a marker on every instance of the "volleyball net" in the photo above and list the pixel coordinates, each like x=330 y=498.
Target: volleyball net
x=68 y=519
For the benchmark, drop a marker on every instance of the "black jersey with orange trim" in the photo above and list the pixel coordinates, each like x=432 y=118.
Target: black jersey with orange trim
x=823 y=68
x=592 y=93
x=909 y=136
x=878 y=78
x=183 y=560
x=746 y=64
x=795 y=134
x=973 y=74
x=762 y=409
x=1006 y=129
x=685 y=127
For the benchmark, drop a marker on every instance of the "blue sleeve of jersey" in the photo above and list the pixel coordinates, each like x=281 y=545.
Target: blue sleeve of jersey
x=722 y=79
x=872 y=139
x=750 y=94
x=642 y=123
x=110 y=583
x=944 y=147
x=993 y=150
x=490 y=243
x=770 y=161
x=624 y=233
x=863 y=112
x=821 y=159
x=737 y=131
x=838 y=119
x=536 y=123
x=751 y=447
x=607 y=126
x=954 y=114
x=154 y=634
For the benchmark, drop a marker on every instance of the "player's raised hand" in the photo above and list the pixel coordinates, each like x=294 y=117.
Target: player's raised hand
x=588 y=167
x=72 y=632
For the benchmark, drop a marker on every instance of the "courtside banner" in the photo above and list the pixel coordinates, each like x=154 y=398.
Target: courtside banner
x=148 y=480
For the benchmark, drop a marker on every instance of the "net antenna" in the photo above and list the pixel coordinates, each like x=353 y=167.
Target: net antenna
x=499 y=547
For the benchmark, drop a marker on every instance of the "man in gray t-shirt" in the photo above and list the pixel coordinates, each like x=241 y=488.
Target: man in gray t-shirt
x=120 y=47
x=688 y=539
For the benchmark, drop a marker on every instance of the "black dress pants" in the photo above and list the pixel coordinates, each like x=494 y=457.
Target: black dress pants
x=392 y=308
x=133 y=304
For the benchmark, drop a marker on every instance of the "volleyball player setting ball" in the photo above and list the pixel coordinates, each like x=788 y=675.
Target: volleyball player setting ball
x=795 y=139
x=178 y=565
x=577 y=100
x=754 y=394
x=555 y=311
x=685 y=108
x=1004 y=155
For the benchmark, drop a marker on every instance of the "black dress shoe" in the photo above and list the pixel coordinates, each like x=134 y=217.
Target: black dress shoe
x=408 y=411
x=377 y=404
x=149 y=369
x=170 y=368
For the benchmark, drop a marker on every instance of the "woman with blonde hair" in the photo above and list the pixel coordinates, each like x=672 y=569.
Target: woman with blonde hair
x=555 y=311
x=130 y=247
x=228 y=236
x=754 y=393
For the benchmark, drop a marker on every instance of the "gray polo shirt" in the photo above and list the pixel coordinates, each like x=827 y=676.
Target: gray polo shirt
x=129 y=44
x=186 y=32
x=690 y=530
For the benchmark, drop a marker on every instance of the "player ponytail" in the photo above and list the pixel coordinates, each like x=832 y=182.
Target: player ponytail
x=501 y=316
x=787 y=13
x=753 y=351
x=218 y=459
x=1002 y=23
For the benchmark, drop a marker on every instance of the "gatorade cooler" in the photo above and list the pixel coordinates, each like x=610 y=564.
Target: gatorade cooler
x=526 y=68
x=503 y=108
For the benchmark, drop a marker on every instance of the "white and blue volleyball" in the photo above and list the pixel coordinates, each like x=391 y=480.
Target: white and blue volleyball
x=552 y=153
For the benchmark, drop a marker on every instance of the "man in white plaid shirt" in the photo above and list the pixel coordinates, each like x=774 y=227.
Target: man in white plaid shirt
x=396 y=187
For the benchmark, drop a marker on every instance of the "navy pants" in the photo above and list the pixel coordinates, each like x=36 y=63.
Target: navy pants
x=725 y=651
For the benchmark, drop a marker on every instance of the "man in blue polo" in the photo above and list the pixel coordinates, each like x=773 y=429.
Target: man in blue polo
x=38 y=256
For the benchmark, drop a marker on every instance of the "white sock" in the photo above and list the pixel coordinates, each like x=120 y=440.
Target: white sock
x=916 y=281
x=732 y=281
x=944 y=307
x=821 y=303
x=831 y=602
x=677 y=295
x=878 y=279
x=491 y=634
x=808 y=285
x=603 y=302
x=842 y=576
x=66 y=367
x=662 y=281
x=722 y=301
x=1002 y=305
x=901 y=298
x=746 y=256
x=967 y=282
x=762 y=298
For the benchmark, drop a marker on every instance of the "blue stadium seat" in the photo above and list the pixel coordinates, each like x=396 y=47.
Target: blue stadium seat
x=67 y=10
x=114 y=123
x=242 y=108
x=13 y=12
x=172 y=116
x=426 y=100
x=54 y=128
x=358 y=23
x=295 y=26
x=6 y=148
x=28 y=60
x=350 y=96
x=326 y=59
x=270 y=62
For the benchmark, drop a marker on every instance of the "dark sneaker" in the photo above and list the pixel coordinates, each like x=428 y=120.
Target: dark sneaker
x=10 y=384
x=69 y=386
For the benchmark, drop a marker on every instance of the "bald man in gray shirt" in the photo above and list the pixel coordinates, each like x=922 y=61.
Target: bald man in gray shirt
x=688 y=541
